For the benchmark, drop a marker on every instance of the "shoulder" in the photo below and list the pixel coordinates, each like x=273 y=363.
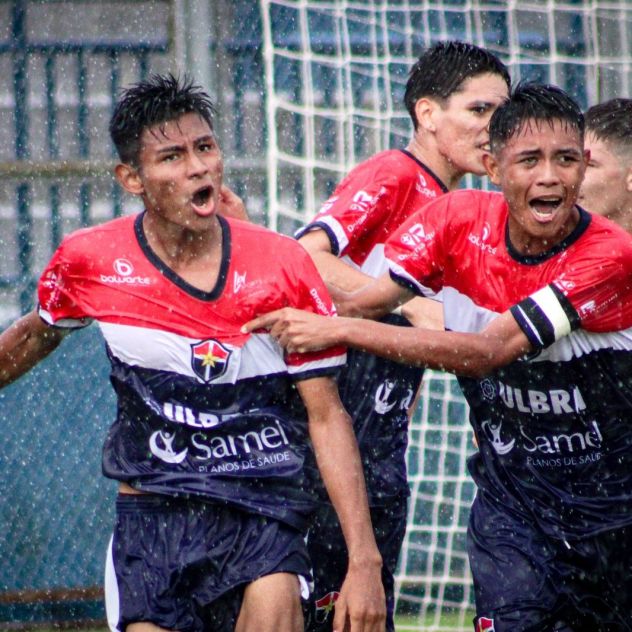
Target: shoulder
x=259 y=240
x=606 y=240
x=93 y=239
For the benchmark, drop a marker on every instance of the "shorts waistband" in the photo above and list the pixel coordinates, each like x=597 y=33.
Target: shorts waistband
x=146 y=503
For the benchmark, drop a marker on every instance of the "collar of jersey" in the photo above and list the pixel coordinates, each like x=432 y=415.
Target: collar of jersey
x=165 y=270
x=572 y=237
x=427 y=169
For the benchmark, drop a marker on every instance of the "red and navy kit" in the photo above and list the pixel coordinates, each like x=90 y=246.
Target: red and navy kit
x=553 y=428
x=372 y=201
x=367 y=206
x=203 y=410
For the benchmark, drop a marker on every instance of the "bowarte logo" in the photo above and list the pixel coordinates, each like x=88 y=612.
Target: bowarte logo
x=421 y=186
x=209 y=359
x=480 y=241
x=124 y=270
x=161 y=446
x=325 y=605
x=484 y=624
x=492 y=432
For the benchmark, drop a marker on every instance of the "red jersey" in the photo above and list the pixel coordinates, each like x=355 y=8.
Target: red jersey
x=203 y=409
x=553 y=429
x=374 y=199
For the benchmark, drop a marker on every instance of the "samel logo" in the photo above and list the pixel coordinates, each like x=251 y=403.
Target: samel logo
x=484 y=624
x=209 y=359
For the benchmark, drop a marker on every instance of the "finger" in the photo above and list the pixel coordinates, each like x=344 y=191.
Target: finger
x=267 y=321
x=340 y=615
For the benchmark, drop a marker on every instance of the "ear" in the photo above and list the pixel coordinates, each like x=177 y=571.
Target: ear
x=628 y=180
x=490 y=162
x=129 y=178
x=424 y=111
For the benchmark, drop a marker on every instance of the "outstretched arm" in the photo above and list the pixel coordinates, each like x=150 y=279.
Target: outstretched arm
x=470 y=354
x=362 y=602
x=26 y=342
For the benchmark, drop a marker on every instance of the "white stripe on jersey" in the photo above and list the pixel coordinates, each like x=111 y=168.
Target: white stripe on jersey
x=335 y=227
x=462 y=314
x=375 y=264
x=398 y=271
x=549 y=303
x=166 y=351
x=69 y=323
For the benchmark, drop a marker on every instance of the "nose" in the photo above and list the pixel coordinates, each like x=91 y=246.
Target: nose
x=196 y=166
x=547 y=174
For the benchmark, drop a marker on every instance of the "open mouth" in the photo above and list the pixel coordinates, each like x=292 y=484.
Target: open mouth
x=201 y=197
x=544 y=208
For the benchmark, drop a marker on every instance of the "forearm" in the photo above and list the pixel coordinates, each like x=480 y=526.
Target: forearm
x=338 y=273
x=340 y=467
x=467 y=354
x=23 y=345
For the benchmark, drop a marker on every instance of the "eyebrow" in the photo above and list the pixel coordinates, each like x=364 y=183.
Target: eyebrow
x=179 y=146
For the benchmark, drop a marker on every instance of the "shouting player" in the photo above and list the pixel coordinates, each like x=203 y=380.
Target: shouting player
x=607 y=186
x=451 y=93
x=537 y=298
x=210 y=445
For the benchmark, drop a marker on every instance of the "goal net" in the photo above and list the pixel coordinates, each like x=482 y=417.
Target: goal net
x=335 y=77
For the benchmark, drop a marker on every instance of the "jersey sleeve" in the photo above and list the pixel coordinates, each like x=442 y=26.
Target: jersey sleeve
x=58 y=293
x=359 y=204
x=312 y=295
x=595 y=295
x=415 y=252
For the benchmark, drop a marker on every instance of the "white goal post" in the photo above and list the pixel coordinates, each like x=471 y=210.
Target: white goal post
x=335 y=72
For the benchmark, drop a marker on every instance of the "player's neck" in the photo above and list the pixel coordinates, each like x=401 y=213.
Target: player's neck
x=436 y=162
x=195 y=256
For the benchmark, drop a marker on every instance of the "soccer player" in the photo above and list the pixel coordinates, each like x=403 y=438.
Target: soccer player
x=607 y=186
x=451 y=93
x=210 y=445
x=537 y=298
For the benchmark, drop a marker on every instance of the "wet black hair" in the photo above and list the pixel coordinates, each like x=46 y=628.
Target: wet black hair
x=611 y=122
x=441 y=70
x=154 y=101
x=533 y=102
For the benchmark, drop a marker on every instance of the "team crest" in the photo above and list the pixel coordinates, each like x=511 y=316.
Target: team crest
x=484 y=624
x=209 y=359
x=325 y=605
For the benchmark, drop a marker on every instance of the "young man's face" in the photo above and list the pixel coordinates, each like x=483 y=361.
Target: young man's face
x=180 y=171
x=605 y=189
x=461 y=123
x=540 y=170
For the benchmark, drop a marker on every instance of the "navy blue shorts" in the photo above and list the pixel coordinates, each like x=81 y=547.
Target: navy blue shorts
x=328 y=551
x=526 y=581
x=183 y=565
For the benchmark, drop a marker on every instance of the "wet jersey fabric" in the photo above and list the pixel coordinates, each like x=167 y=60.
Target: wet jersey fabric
x=372 y=201
x=203 y=409
x=553 y=429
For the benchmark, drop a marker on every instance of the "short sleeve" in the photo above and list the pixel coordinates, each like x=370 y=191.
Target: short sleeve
x=594 y=294
x=415 y=252
x=59 y=304
x=359 y=204
x=311 y=294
